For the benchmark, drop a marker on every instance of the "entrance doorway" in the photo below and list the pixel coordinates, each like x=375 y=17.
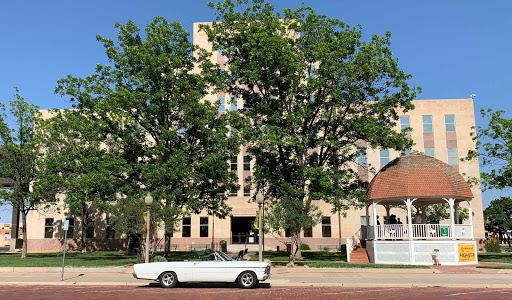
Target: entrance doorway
x=243 y=231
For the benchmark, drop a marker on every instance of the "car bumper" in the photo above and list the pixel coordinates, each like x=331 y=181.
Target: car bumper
x=135 y=275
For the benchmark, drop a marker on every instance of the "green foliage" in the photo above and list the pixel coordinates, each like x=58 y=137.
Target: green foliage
x=492 y=245
x=304 y=246
x=312 y=88
x=499 y=216
x=148 y=105
x=20 y=151
x=494 y=143
x=158 y=258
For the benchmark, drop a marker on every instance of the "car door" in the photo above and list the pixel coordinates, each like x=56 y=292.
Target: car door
x=210 y=271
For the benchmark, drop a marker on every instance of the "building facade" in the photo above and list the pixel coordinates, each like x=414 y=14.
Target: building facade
x=440 y=128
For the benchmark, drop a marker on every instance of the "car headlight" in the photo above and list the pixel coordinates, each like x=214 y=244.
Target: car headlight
x=267 y=270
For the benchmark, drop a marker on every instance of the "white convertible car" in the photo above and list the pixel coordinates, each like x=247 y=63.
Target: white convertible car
x=220 y=268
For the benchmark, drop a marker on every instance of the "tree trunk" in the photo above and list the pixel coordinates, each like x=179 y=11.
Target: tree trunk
x=84 y=230
x=167 y=246
x=296 y=252
x=24 y=231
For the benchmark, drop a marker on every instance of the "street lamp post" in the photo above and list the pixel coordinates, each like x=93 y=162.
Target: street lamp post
x=259 y=200
x=148 y=200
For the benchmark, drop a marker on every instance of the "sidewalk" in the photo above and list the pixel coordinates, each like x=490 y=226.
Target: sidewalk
x=443 y=276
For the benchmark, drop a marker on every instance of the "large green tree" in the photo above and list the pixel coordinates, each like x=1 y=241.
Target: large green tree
x=150 y=99
x=80 y=165
x=499 y=217
x=494 y=144
x=312 y=88
x=19 y=151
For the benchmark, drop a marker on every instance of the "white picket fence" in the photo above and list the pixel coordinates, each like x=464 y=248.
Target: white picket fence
x=420 y=231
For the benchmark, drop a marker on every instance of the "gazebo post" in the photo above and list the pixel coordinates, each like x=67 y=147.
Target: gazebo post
x=367 y=217
x=451 y=202
x=408 y=202
x=374 y=220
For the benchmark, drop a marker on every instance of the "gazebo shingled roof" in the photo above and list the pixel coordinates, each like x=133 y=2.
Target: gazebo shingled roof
x=418 y=176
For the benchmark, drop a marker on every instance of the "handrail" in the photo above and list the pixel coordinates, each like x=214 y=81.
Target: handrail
x=420 y=231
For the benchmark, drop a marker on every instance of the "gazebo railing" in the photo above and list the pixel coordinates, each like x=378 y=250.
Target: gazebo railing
x=420 y=231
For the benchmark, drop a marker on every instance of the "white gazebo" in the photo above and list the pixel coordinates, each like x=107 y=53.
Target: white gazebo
x=419 y=181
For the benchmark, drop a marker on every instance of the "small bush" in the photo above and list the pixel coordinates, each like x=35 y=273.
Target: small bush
x=304 y=246
x=158 y=258
x=492 y=245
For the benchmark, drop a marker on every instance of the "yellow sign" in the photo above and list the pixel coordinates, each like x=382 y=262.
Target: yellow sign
x=256 y=221
x=467 y=253
x=145 y=221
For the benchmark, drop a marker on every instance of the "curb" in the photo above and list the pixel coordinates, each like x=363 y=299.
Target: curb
x=128 y=270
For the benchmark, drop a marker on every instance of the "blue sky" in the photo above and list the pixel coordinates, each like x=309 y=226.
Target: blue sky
x=452 y=48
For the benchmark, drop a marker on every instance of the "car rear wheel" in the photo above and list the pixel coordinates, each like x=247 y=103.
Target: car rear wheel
x=247 y=280
x=168 y=280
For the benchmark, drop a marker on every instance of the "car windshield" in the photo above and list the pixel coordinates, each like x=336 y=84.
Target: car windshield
x=223 y=256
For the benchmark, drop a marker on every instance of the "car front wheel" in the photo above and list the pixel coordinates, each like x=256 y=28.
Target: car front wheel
x=247 y=280
x=168 y=280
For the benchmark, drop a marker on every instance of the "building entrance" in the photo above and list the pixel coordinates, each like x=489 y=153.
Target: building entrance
x=243 y=231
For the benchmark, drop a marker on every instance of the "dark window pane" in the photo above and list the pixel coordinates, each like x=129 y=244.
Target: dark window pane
x=48 y=222
x=186 y=221
x=247 y=190
x=247 y=163
x=326 y=226
x=185 y=231
x=308 y=232
x=203 y=220
x=203 y=231
x=48 y=232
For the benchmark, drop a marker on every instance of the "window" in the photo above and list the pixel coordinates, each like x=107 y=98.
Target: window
x=449 y=122
x=452 y=156
x=71 y=227
x=308 y=232
x=186 y=224
x=313 y=73
x=247 y=190
x=326 y=226
x=89 y=232
x=203 y=227
x=247 y=163
x=287 y=233
x=362 y=159
x=427 y=123
x=110 y=232
x=234 y=101
x=405 y=122
x=430 y=152
x=222 y=106
x=233 y=191
x=234 y=163
x=363 y=221
x=48 y=228
x=384 y=157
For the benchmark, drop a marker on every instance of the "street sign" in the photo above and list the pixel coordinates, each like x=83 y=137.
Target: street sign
x=66 y=225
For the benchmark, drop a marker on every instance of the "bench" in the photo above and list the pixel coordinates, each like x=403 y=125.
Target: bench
x=329 y=246
x=199 y=246
x=162 y=247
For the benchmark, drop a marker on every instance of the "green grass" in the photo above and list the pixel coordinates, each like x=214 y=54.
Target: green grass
x=75 y=259
x=326 y=264
x=495 y=257
x=494 y=267
x=275 y=256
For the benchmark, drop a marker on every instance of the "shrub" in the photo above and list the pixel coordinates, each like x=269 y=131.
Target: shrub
x=158 y=258
x=492 y=245
x=304 y=246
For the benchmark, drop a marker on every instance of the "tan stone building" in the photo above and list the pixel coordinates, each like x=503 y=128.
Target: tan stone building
x=441 y=128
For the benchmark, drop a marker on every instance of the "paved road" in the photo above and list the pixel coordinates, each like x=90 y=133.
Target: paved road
x=228 y=292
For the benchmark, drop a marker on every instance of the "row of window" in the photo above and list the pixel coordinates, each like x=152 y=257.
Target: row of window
x=449 y=123
x=362 y=158
x=204 y=223
x=49 y=227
